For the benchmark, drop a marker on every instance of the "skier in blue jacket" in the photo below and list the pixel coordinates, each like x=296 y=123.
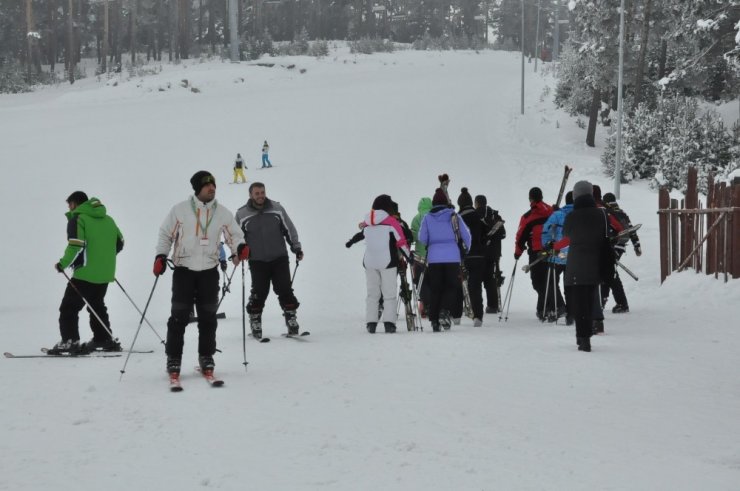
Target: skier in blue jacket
x=552 y=232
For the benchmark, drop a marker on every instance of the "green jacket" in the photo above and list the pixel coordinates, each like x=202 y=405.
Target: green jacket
x=425 y=204
x=93 y=240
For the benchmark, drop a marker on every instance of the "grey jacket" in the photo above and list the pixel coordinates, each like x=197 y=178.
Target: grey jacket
x=266 y=230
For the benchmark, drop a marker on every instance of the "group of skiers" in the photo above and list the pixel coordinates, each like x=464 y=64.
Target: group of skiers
x=189 y=242
x=239 y=164
x=457 y=254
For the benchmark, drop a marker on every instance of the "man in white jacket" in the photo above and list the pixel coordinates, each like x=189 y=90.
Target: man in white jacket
x=193 y=231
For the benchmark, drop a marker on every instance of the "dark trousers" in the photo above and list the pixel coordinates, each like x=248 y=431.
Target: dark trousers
x=193 y=287
x=72 y=303
x=491 y=275
x=615 y=285
x=276 y=271
x=424 y=292
x=557 y=270
x=580 y=299
x=538 y=275
x=476 y=267
x=444 y=283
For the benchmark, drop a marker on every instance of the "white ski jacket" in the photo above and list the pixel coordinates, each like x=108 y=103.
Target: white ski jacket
x=195 y=230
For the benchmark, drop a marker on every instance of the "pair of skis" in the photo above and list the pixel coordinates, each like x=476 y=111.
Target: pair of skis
x=300 y=336
x=94 y=354
x=208 y=376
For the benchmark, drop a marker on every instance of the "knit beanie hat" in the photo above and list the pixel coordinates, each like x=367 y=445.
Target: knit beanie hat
x=439 y=198
x=535 y=194
x=383 y=202
x=481 y=200
x=582 y=188
x=200 y=179
x=78 y=197
x=597 y=193
x=609 y=198
x=569 y=198
x=464 y=199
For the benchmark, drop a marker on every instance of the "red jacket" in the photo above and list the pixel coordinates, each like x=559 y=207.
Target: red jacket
x=529 y=234
x=615 y=227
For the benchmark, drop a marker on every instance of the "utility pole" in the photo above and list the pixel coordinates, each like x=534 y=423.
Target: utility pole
x=522 y=44
x=620 y=106
x=234 y=32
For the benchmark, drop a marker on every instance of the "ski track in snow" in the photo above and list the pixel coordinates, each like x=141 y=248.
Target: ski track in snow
x=511 y=405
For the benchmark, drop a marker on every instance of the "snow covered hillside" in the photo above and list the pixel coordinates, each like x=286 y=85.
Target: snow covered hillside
x=508 y=406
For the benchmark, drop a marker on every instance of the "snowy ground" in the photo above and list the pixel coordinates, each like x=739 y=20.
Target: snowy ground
x=507 y=406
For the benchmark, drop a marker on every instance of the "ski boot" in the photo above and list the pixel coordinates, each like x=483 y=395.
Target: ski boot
x=445 y=321
x=371 y=326
x=111 y=344
x=598 y=327
x=584 y=344
x=435 y=326
x=291 y=322
x=255 y=324
x=477 y=322
x=389 y=327
x=173 y=365
x=66 y=347
x=206 y=364
x=620 y=309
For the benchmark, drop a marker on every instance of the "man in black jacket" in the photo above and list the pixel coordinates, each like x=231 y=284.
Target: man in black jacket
x=494 y=232
x=585 y=230
x=267 y=227
x=475 y=261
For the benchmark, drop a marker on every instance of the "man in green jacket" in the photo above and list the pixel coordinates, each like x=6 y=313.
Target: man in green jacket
x=93 y=241
x=420 y=253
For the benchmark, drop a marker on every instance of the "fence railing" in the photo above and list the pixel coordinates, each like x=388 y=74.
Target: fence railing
x=704 y=237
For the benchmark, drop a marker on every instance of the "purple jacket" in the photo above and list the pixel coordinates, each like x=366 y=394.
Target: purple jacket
x=437 y=234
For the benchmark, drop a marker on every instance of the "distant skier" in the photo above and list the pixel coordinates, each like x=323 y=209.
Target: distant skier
x=610 y=201
x=93 y=241
x=239 y=167
x=475 y=261
x=420 y=254
x=265 y=155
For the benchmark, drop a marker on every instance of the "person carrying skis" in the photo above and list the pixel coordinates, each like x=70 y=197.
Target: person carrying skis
x=384 y=237
x=552 y=232
x=495 y=232
x=612 y=207
x=239 y=167
x=265 y=155
x=475 y=260
x=420 y=254
x=528 y=236
x=192 y=231
x=267 y=227
x=437 y=233
x=93 y=242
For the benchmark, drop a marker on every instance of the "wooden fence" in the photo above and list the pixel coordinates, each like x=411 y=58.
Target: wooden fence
x=706 y=237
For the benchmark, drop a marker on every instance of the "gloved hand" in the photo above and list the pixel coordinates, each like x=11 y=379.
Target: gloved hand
x=517 y=255
x=299 y=255
x=223 y=266
x=160 y=265
x=348 y=244
x=402 y=264
x=242 y=251
x=555 y=207
x=58 y=267
x=638 y=251
x=549 y=245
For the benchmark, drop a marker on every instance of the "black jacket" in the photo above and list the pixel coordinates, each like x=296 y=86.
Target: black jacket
x=477 y=231
x=493 y=240
x=587 y=228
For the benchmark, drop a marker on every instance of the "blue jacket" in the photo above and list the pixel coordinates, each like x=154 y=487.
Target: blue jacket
x=437 y=234
x=552 y=230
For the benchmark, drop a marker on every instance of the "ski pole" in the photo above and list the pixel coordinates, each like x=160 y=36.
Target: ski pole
x=547 y=291
x=143 y=316
x=74 y=287
x=225 y=288
x=244 y=320
x=139 y=311
x=627 y=270
x=555 y=291
x=507 y=299
x=295 y=270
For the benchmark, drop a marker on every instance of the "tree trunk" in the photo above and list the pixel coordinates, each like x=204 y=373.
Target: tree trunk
x=119 y=34
x=69 y=56
x=132 y=29
x=662 y=59
x=200 y=21
x=593 y=117
x=52 y=54
x=106 y=33
x=33 y=60
x=212 y=25
x=161 y=18
x=643 y=52
x=175 y=31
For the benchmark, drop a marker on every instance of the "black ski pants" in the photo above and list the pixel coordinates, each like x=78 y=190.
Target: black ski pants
x=276 y=271
x=476 y=267
x=444 y=284
x=538 y=275
x=193 y=287
x=615 y=285
x=580 y=300
x=491 y=275
x=72 y=303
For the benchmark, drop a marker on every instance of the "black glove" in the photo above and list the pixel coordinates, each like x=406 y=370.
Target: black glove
x=517 y=256
x=348 y=244
x=58 y=267
x=299 y=254
x=223 y=265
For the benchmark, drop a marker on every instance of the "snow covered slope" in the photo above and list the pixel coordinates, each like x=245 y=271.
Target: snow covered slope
x=506 y=406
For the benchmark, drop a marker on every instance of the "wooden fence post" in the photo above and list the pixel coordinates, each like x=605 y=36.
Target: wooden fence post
x=710 y=257
x=735 y=227
x=663 y=218
x=692 y=201
x=674 y=230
